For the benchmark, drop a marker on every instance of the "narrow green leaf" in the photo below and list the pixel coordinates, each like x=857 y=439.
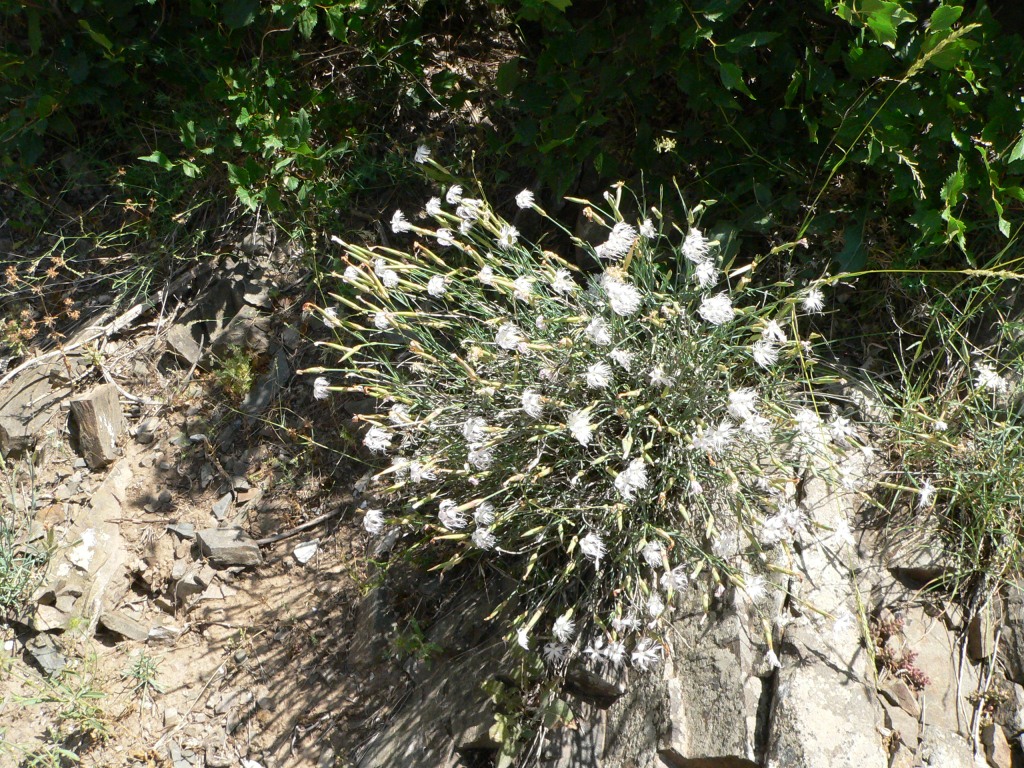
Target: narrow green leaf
x=1018 y=150
x=732 y=78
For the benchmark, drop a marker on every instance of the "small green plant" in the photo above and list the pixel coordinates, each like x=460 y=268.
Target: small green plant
x=142 y=674
x=78 y=717
x=607 y=440
x=20 y=566
x=234 y=373
x=411 y=642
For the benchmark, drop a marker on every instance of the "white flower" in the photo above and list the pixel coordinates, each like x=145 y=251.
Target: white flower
x=422 y=154
x=624 y=298
x=474 y=429
x=659 y=378
x=555 y=653
x=450 y=517
x=377 y=440
x=655 y=605
x=525 y=199
x=437 y=286
x=595 y=651
x=622 y=357
x=619 y=241
x=454 y=194
x=532 y=404
x=484 y=514
x=675 y=580
x=599 y=375
x=843 y=534
x=419 y=472
x=716 y=309
x=696 y=489
x=696 y=247
x=352 y=274
x=742 y=403
x=841 y=429
x=484 y=538
x=989 y=379
x=652 y=553
x=757 y=425
x=508 y=236
x=844 y=621
x=564 y=628
x=381 y=321
x=470 y=209
x=593 y=547
x=646 y=654
x=580 y=427
x=486 y=276
x=379 y=265
x=939 y=426
x=508 y=337
x=562 y=282
x=399 y=414
x=399 y=224
x=813 y=301
x=524 y=287
x=647 y=229
x=373 y=521
x=599 y=332
x=434 y=206
x=926 y=495
x=321 y=389
x=615 y=653
x=772 y=660
x=632 y=479
x=445 y=237
x=706 y=274
x=765 y=353
x=389 y=277
x=621 y=624
x=718 y=439
x=755 y=588
x=773 y=332
x=481 y=457
x=523 y=638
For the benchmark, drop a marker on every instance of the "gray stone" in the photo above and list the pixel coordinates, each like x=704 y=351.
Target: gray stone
x=183 y=344
x=1012 y=637
x=897 y=719
x=997 y=749
x=221 y=506
x=27 y=404
x=45 y=653
x=49 y=618
x=981 y=640
x=598 y=689
x=268 y=385
x=124 y=626
x=943 y=749
x=184 y=530
x=100 y=422
x=145 y=433
x=900 y=695
x=228 y=546
x=246 y=330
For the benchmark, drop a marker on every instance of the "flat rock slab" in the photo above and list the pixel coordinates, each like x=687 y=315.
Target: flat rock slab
x=45 y=653
x=124 y=626
x=100 y=423
x=228 y=546
x=26 y=405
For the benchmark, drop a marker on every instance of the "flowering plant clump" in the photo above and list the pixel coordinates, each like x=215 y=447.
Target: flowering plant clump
x=604 y=438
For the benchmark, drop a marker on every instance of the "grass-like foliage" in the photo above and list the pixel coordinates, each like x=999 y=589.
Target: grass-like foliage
x=601 y=438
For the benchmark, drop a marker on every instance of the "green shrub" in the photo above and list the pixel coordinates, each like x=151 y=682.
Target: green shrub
x=604 y=440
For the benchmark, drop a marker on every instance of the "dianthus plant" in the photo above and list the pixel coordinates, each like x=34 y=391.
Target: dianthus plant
x=603 y=436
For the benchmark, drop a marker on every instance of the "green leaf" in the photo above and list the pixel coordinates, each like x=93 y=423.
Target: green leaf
x=307 y=22
x=237 y=175
x=944 y=17
x=750 y=40
x=732 y=78
x=560 y=5
x=337 y=22
x=507 y=77
x=854 y=255
x=1018 y=150
x=159 y=158
x=35 y=35
x=239 y=13
x=97 y=37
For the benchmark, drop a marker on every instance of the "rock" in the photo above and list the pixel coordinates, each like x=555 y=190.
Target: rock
x=942 y=749
x=598 y=689
x=45 y=653
x=1015 y=710
x=897 y=719
x=145 y=433
x=126 y=627
x=164 y=498
x=899 y=694
x=269 y=384
x=246 y=330
x=997 y=749
x=99 y=423
x=171 y=717
x=228 y=546
x=981 y=638
x=233 y=700
x=49 y=618
x=304 y=552
x=184 y=530
x=903 y=757
x=183 y=344
x=27 y=404
x=221 y=506
x=923 y=559
x=163 y=633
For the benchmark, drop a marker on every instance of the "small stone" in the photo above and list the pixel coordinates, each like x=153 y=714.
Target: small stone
x=49 y=618
x=221 y=506
x=304 y=552
x=981 y=635
x=164 y=498
x=146 y=462
x=899 y=694
x=267 y=703
x=240 y=655
x=229 y=546
x=997 y=748
x=184 y=530
x=592 y=686
x=247 y=329
x=146 y=431
x=233 y=700
x=45 y=653
x=79 y=463
x=182 y=344
x=171 y=717
x=162 y=633
x=99 y=421
x=121 y=625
